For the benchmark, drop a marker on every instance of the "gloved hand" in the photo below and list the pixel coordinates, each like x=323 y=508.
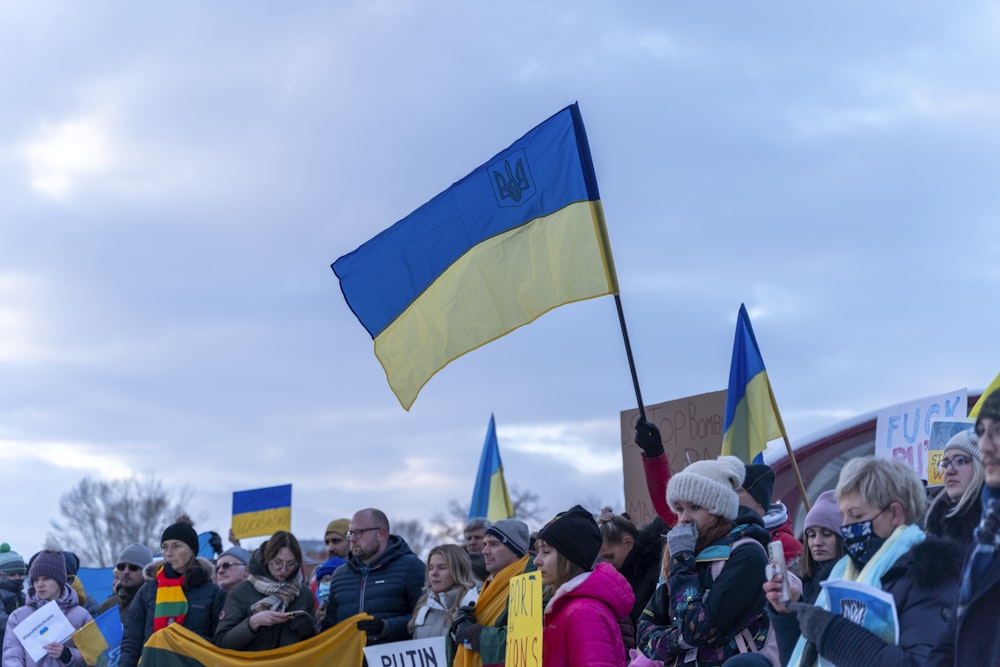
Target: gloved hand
x=372 y=627
x=648 y=438
x=812 y=620
x=463 y=619
x=682 y=537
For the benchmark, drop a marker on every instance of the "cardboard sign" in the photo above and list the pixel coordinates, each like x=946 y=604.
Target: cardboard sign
x=524 y=621
x=903 y=431
x=692 y=431
x=942 y=430
x=413 y=652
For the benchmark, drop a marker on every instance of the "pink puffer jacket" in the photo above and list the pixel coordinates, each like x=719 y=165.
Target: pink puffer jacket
x=581 y=620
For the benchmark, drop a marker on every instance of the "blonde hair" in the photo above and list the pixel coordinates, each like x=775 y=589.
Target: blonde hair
x=882 y=482
x=460 y=567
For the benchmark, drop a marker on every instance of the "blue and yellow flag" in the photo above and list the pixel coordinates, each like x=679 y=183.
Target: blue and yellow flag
x=262 y=511
x=752 y=418
x=519 y=236
x=490 y=498
x=974 y=412
x=99 y=641
x=176 y=646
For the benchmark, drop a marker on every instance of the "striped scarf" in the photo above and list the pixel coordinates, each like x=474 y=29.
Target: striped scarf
x=985 y=546
x=171 y=603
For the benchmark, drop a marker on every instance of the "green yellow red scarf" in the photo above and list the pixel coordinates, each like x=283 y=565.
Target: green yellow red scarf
x=171 y=603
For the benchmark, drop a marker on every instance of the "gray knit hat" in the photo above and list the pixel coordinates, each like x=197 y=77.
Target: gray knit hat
x=513 y=533
x=135 y=554
x=966 y=441
x=239 y=553
x=711 y=484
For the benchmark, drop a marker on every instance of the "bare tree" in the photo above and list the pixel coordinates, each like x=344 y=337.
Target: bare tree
x=415 y=535
x=448 y=527
x=100 y=518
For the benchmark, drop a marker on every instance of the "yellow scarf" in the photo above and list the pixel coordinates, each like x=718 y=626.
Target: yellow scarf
x=491 y=604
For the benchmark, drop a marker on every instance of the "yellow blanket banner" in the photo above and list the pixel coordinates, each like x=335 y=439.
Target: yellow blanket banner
x=176 y=646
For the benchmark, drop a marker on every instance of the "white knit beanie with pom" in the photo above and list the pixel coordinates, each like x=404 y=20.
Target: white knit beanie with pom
x=711 y=484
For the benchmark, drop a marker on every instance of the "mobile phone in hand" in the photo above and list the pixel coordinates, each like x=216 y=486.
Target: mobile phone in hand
x=777 y=554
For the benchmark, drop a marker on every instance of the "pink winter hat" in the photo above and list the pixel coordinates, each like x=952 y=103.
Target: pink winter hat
x=825 y=513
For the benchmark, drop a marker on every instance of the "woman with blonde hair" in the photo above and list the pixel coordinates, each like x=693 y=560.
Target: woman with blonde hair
x=882 y=502
x=449 y=584
x=956 y=510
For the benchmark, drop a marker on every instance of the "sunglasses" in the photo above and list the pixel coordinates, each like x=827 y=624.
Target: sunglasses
x=121 y=567
x=225 y=566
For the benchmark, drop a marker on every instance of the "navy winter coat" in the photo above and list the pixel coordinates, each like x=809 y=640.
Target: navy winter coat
x=388 y=590
x=205 y=602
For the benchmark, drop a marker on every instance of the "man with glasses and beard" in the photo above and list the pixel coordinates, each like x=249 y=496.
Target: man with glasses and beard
x=382 y=578
x=129 y=578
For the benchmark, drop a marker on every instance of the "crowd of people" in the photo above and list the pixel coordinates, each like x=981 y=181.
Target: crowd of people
x=695 y=585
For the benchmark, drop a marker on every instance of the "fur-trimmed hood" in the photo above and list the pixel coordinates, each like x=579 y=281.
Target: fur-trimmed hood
x=932 y=561
x=202 y=571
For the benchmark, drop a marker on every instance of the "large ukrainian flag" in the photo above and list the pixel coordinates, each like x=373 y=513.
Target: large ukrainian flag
x=752 y=418
x=520 y=235
x=490 y=498
x=176 y=646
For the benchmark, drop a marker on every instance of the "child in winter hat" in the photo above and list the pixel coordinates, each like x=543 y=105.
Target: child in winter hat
x=48 y=563
x=11 y=562
x=711 y=484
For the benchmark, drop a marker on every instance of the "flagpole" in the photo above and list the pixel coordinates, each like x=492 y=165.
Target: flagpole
x=788 y=448
x=631 y=361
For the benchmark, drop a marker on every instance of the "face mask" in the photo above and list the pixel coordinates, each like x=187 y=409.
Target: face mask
x=860 y=540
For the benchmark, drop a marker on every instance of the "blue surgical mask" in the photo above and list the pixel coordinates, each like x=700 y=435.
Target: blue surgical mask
x=860 y=540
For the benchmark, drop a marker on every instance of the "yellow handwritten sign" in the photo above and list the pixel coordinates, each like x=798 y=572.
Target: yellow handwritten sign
x=524 y=621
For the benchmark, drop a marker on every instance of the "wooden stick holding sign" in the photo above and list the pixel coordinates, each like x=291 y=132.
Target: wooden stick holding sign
x=524 y=621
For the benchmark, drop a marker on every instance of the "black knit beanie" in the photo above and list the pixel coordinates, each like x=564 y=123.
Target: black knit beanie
x=759 y=483
x=575 y=535
x=990 y=409
x=183 y=532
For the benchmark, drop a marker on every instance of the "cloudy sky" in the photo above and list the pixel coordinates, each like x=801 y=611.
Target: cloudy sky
x=176 y=180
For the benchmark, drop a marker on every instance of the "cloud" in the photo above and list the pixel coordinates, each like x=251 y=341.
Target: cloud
x=579 y=446
x=61 y=156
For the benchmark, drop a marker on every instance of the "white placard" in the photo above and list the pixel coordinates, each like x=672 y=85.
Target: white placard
x=46 y=625
x=903 y=432
x=428 y=651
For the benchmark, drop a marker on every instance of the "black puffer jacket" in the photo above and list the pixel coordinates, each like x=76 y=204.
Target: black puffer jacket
x=642 y=565
x=205 y=601
x=958 y=527
x=388 y=590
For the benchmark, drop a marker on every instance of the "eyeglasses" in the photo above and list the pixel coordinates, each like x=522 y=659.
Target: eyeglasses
x=121 y=567
x=358 y=532
x=222 y=567
x=283 y=565
x=959 y=461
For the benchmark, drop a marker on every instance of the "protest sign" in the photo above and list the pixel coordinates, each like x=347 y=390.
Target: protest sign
x=903 y=431
x=942 y=430
x=524 y=621
x=427 y=652
x=46 y=625
x=692 y=430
